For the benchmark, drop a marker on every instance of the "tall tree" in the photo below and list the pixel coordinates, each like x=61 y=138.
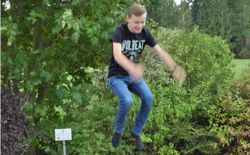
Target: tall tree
x=211 y=16
x=237 y=36
x=229 y=19
x=239 y=24
x=164 y=12
x=47 y=44
x=43 y=40
x=184 y=12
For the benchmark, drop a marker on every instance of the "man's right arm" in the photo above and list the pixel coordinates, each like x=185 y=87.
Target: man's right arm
x=134 y=70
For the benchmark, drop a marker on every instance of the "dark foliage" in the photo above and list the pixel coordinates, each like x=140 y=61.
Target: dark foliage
x=13 y=122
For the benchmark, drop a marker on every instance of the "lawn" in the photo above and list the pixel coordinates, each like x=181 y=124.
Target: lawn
x=240 y=65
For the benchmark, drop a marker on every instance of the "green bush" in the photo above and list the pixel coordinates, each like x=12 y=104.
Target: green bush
x=180 y=121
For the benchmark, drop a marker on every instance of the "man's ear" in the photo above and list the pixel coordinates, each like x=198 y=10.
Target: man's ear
x=127 y=18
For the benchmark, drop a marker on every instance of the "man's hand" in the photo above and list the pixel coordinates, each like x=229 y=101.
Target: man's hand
x=137 y=72
x=179 y=74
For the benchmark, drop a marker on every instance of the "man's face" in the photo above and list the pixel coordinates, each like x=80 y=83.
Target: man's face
x=136 y=23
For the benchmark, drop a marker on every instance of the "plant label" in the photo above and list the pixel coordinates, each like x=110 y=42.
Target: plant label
x=63 y=134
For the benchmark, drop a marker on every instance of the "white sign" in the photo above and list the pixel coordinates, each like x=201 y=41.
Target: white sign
x=63 y=134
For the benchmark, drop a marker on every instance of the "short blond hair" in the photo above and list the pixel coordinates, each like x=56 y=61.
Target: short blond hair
x=136 y=9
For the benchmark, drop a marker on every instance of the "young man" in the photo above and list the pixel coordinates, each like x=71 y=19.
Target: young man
x=126 y=73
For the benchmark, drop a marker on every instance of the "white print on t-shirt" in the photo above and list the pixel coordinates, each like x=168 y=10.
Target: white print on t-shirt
x=132 y=49
x=132 y=45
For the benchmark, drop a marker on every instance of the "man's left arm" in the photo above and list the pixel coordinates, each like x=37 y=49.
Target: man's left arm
x=177 y=71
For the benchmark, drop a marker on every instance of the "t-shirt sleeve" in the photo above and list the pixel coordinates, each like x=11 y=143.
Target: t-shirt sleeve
x=150 y=39
x=117 y=36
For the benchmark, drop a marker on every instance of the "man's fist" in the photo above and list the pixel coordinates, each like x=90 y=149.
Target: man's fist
x=137 y=72
x=179 y=74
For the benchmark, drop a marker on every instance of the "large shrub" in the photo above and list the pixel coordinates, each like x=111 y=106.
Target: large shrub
x=181 y=118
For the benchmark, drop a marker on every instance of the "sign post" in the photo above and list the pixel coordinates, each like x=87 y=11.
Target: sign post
x=64 y=147
x=63 y=135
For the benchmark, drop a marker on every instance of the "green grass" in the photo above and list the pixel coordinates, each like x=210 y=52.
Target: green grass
x=240 y=65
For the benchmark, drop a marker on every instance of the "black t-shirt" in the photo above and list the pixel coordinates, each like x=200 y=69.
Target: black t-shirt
x=132 y=47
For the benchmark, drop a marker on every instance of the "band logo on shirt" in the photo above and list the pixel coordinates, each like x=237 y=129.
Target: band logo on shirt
x=132 y=49
x=132 y=45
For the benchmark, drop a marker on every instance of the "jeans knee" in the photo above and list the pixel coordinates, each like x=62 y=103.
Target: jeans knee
x=126 y=103
x=149 y=99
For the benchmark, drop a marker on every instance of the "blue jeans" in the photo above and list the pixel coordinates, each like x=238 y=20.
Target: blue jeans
x=121 y=86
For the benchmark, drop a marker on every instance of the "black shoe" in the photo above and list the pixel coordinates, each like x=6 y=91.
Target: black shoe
x=138 y=142
x=116 y=139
